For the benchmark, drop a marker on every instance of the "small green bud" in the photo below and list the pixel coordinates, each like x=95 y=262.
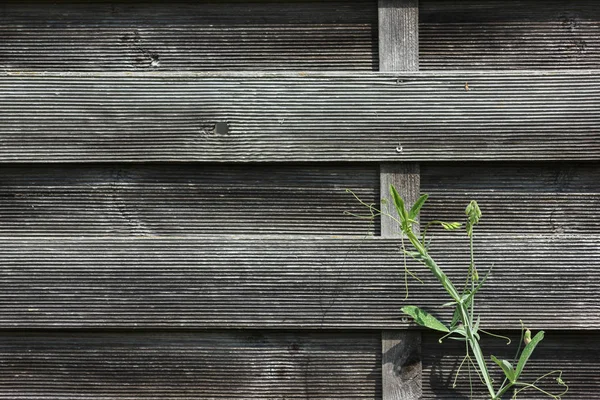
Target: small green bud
x=527 y=337
x=475 y=274
x=473 y=216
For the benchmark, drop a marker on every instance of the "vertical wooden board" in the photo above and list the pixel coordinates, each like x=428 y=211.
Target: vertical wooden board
x=406 y=179
x=398 y=35
x=399 y=51
x=401 y=364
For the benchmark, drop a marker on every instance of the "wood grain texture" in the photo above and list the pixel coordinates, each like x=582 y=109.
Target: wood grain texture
x=399 y=51
x=185 y=199
x=517 y=198
x=184 y=35
x=401 y=364
x=272 y=117
x=286 y=282
x=401 y=349
x=189 y=365
x=398 y=35
x=406 y=178
x=576 y=353
x=499 y=34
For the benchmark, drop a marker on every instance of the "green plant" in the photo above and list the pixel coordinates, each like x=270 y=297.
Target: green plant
x=464 y=326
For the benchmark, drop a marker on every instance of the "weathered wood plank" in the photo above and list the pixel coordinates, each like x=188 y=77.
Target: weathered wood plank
x=186 y=35
x=401 y=349
x=401 y=364
x=500 y=34
x=189 y=365
x=576 y=353
x=285 y=282
x=517 y=198
x=159 y=199
x=398 y=35
x=400 y=117
x=406 y=178
x=185 y=199
x=399 y=51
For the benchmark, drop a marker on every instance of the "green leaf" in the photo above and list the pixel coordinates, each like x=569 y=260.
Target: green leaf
x=399 y=203
x=425 y=319
x=527 y=351
x=455 y=317
x=507 y=368
x=414 y=211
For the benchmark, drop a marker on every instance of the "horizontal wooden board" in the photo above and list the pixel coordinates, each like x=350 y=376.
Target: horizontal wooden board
x=185 y=35
x=185 y=199
x=299 y=117
x=500 y=34
x=575 y=353
x=532 y=198
x=176 y=365
x=285 y=283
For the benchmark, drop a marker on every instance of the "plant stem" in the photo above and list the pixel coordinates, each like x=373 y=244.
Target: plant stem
x=503 y=390
x=466 y=320
x=476 y=350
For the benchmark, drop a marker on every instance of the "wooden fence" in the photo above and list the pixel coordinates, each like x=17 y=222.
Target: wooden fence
x=172 y=195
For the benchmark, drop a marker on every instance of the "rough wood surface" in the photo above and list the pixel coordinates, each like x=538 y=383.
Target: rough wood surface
x=517 y=198
x=399 y=51
x=185 y=199
x=271 y=117
x=500 y=34
x=401 y=364
x=406 y=178
x=185 y=35
x=401 y=358
x=576 y=353
x=286 y=282
x=228 y=364
x=398 y=35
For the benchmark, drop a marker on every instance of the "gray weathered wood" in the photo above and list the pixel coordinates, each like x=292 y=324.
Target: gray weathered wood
x=516 y=198
x=398 y=35
x=406 y=179
x=192 y=199
x=287 y=282
x=185 y=199
x=270 y=117
x=401 y=361
x=399 y=51
x=185 y=35
x=576 y=353
x=230 y=364
x=501 y=34
x=401 y=364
